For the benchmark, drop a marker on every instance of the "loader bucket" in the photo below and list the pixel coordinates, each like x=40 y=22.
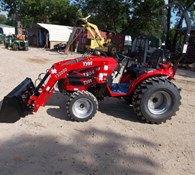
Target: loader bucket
x=14 y=105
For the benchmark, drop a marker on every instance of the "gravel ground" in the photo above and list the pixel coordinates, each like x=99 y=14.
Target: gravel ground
x=113 y=142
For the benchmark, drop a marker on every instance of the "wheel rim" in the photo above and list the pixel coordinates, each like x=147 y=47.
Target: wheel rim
x=82 y=108
x=159 y=103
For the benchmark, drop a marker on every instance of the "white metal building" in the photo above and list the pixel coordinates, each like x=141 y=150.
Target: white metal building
x=7 y=30
x=47 y=35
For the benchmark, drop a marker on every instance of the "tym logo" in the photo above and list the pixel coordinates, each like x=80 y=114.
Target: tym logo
x=89 y=63
x=87 y=81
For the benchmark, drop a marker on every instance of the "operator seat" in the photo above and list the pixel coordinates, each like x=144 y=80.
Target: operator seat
x=156 y=57
x=153 y=62
x=139 y=48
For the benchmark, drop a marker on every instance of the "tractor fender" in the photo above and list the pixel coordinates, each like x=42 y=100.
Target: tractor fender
x=154 y=73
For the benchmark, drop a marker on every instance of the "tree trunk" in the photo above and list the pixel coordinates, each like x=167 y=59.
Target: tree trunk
x=18 y=24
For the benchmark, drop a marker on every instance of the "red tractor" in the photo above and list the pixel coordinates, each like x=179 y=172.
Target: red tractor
x=89 y=78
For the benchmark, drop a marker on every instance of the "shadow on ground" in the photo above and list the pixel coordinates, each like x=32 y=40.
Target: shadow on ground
x=78 y=153
x=1 y=102
x=114 y=107
x=185 y=73
x=117 y=107
x=57 y=103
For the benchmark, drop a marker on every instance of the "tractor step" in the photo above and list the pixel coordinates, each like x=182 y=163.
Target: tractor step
x=15 y=104
x=120 y=88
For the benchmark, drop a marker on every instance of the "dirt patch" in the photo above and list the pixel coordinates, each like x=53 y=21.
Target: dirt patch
x=38 y=60
x=186 y=82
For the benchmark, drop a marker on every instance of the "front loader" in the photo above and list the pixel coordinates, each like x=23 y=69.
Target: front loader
x=97 y=42
x=88 y=79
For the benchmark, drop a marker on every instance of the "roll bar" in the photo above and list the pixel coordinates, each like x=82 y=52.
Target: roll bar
x=185 y=15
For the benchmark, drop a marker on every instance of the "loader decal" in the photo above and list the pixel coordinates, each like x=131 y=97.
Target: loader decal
x=61 y=72
x=89 y=63
x=185 y=47
x=87 y=82
x=105 y=67
x=103 y=76
x=48 y=88
x=53 y=71
x=90 y=73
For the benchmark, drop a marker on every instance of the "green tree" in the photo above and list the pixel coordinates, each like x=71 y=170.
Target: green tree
x=131 y=17
x=3 y=19
x=26 y=13
x=128 y=16
x=145 y=18
x=49 y=11
x=13 y=9
x=110 y=14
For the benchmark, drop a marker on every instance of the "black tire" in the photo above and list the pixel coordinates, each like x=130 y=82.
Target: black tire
x=112 y=49
x=156 y=100
x=15 y=47
x=97 y=51
x=81 y=106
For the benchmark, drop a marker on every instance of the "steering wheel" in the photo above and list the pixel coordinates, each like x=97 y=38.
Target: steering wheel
x=120 y=57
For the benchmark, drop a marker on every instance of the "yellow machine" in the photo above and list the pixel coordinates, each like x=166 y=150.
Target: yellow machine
x=98 y=42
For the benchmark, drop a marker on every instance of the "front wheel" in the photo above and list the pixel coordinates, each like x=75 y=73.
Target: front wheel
x=15 y=47
x=156 y=100
x=81 y=106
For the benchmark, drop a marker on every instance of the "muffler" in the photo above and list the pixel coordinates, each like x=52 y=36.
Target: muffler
x=15 y=104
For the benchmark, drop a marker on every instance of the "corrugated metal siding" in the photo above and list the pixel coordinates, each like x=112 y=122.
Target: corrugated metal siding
x=57 y=32
x=119 y=40
x=81 y=40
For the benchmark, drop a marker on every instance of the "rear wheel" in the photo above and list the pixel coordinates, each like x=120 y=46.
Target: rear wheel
x=81 y=106
x=156 y=100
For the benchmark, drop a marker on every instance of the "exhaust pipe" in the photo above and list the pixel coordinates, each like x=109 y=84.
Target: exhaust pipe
x=15 y=104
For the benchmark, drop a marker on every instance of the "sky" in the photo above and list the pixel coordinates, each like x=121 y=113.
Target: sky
x=3 y=13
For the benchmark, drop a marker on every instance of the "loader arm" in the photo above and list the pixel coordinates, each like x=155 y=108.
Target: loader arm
x=100 y=72
x=90 y=27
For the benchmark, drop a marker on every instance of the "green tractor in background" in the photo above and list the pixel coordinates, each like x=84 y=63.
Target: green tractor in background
x=11 y=42
x=1 y=38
